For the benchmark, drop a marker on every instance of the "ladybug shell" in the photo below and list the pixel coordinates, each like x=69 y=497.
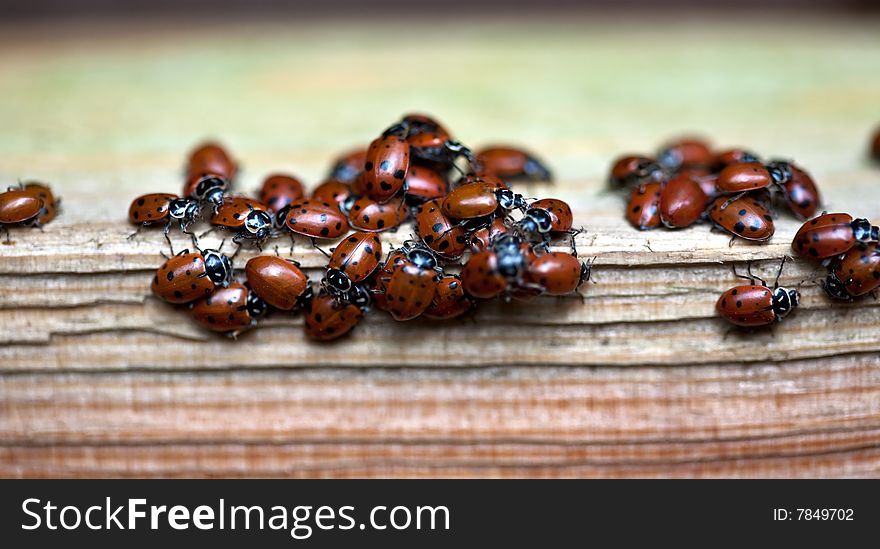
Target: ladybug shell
x=395 y=260
x=327 y=319
x=233 y=211
x=747 y=306
x=682 y=202
x=859 y=269
x=225 y=310
x=332 y=191
x=409 y=291
x=210 y=158
x=316 y=219
x=182 y=279
x=482 y=238
x=801 y=193
x=747 y=176
x=385 y=167
x=422 y=123
x=470 y=200
x=367 y=214
x=480 y=276
x=559 y=273
x=280 y=190
x=357 y=255
x=19 y=206
x=277 y=281
x=427 y=139
x=686 y=152
x=150 y=208
x=745 y=217
x=192 y=182
x=560 y=213
x=441 y=235
x=449 y=300
x=734 y=156
x=826 y=236
x=348 y=166
x=425 y=183
x=643 y=209
x=50 y=205
x=633 y=169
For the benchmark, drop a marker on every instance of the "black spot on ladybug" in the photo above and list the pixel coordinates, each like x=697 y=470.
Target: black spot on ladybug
x=136 y=215
x=428 y=239
x=170 y=276
x=385 y=166
x=734 y=291
x=742 y=212
x=385 y=185
x=399 y=174
x=178 y=294
x=366 y=218
x=739 y=227
x=325 y=231
x=141 y=202
x=323 y=218
x=739 y=304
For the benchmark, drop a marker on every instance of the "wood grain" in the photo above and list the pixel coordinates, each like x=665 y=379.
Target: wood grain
x=98 y=378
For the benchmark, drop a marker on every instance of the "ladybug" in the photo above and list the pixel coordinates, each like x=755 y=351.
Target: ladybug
x=353 y=261
x=480 y=199
x=801 y=193
x=746 y=217
x=232 y=309
x=628 y=171
x=856 y=273
x=502 y=267
x=832 y=234
x=315 y=219
x=410 y=289
x=250 y=218
x=442 y=236
x=682 y=202
x=366 y=214
x=50 y=202
x=380 y=282
x=753 y=305
x=424 y=132
x=279 y=282
x=746 y=176
x=150 y=209
x=385 y=167
x=207 y=188
x=684 y=153
x=348 y=166
x=19 y=207
x=280 y=190
x=546 y=218
x=190 y=275
x=332 y=191
x=734 y=156
x=643 y=208
x=449 y=301
x=211 y=158
x=512 y=163
x=424 y=183
x=482 y=238
x=480 y=276
x=327 y=319
x=558 y=273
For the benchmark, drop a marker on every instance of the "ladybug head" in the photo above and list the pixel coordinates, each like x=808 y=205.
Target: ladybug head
x=864 y=231
x=184 y=208
x=281 y=216
x=346 y=205
x=506 y=243
x=780 y=171
x=586 y=269
x=258 y=223
x=784 y=301
x=422 y=258
x=359 y=296
x=218 y=267
x=536 y=170
x=337 y=282
x=670 y=159
x=509 y=200
x=835 y=288
x=256 y=307
x=542 y=219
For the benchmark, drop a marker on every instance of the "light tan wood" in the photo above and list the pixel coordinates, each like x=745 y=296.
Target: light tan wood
x=98 y=378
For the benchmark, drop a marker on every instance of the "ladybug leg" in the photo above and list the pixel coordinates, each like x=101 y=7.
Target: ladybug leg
x=320 y=249
x=137 y=232
x=755 y=277
x=206 y=233
x=8 y=241
x=291 y=242
x=750 y=278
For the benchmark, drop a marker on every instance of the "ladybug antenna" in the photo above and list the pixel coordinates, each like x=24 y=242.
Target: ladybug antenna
x=779 y=272
x=220 y=247
x=320 y=249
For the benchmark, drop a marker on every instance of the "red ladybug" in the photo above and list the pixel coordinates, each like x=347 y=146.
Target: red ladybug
x=444 y=237
x=232 y=309
x=353 y=261
x=735 y=156
x=746 y=217
x=385 y=167
x=208 y=188
x=332 y=191
x=500 y=269
x=558 y=273
x=685 y=153
x=754 y=306
x=249 y=218
x=512 y=163
x=380 y=282
x=546 y=218
x=366 y=214
x=424 y=132
x=327 y=319
x=19 y=207
x=424 y=183
x=50 y=202
x=482 y=238
x=190 y=275
x=479 y=199
x=746 y=176
x=348 y=166
x=151 y=209
x=643 y=208
x=682 y=202
x=449 y=301
x=410 y=289
x=801 y=193
x=480 y=276
x=280 y=190
x=631 y=170
x=832 y=234
x=315 y=219
x=211 y=158
x=279 y=282
x=856 y=273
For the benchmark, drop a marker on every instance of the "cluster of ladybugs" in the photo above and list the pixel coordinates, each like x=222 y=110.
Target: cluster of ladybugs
x=461 y=204
x=687 y=182
x=27 y=205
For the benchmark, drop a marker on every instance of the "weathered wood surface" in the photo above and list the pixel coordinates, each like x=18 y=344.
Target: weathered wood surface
x=98 y=378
